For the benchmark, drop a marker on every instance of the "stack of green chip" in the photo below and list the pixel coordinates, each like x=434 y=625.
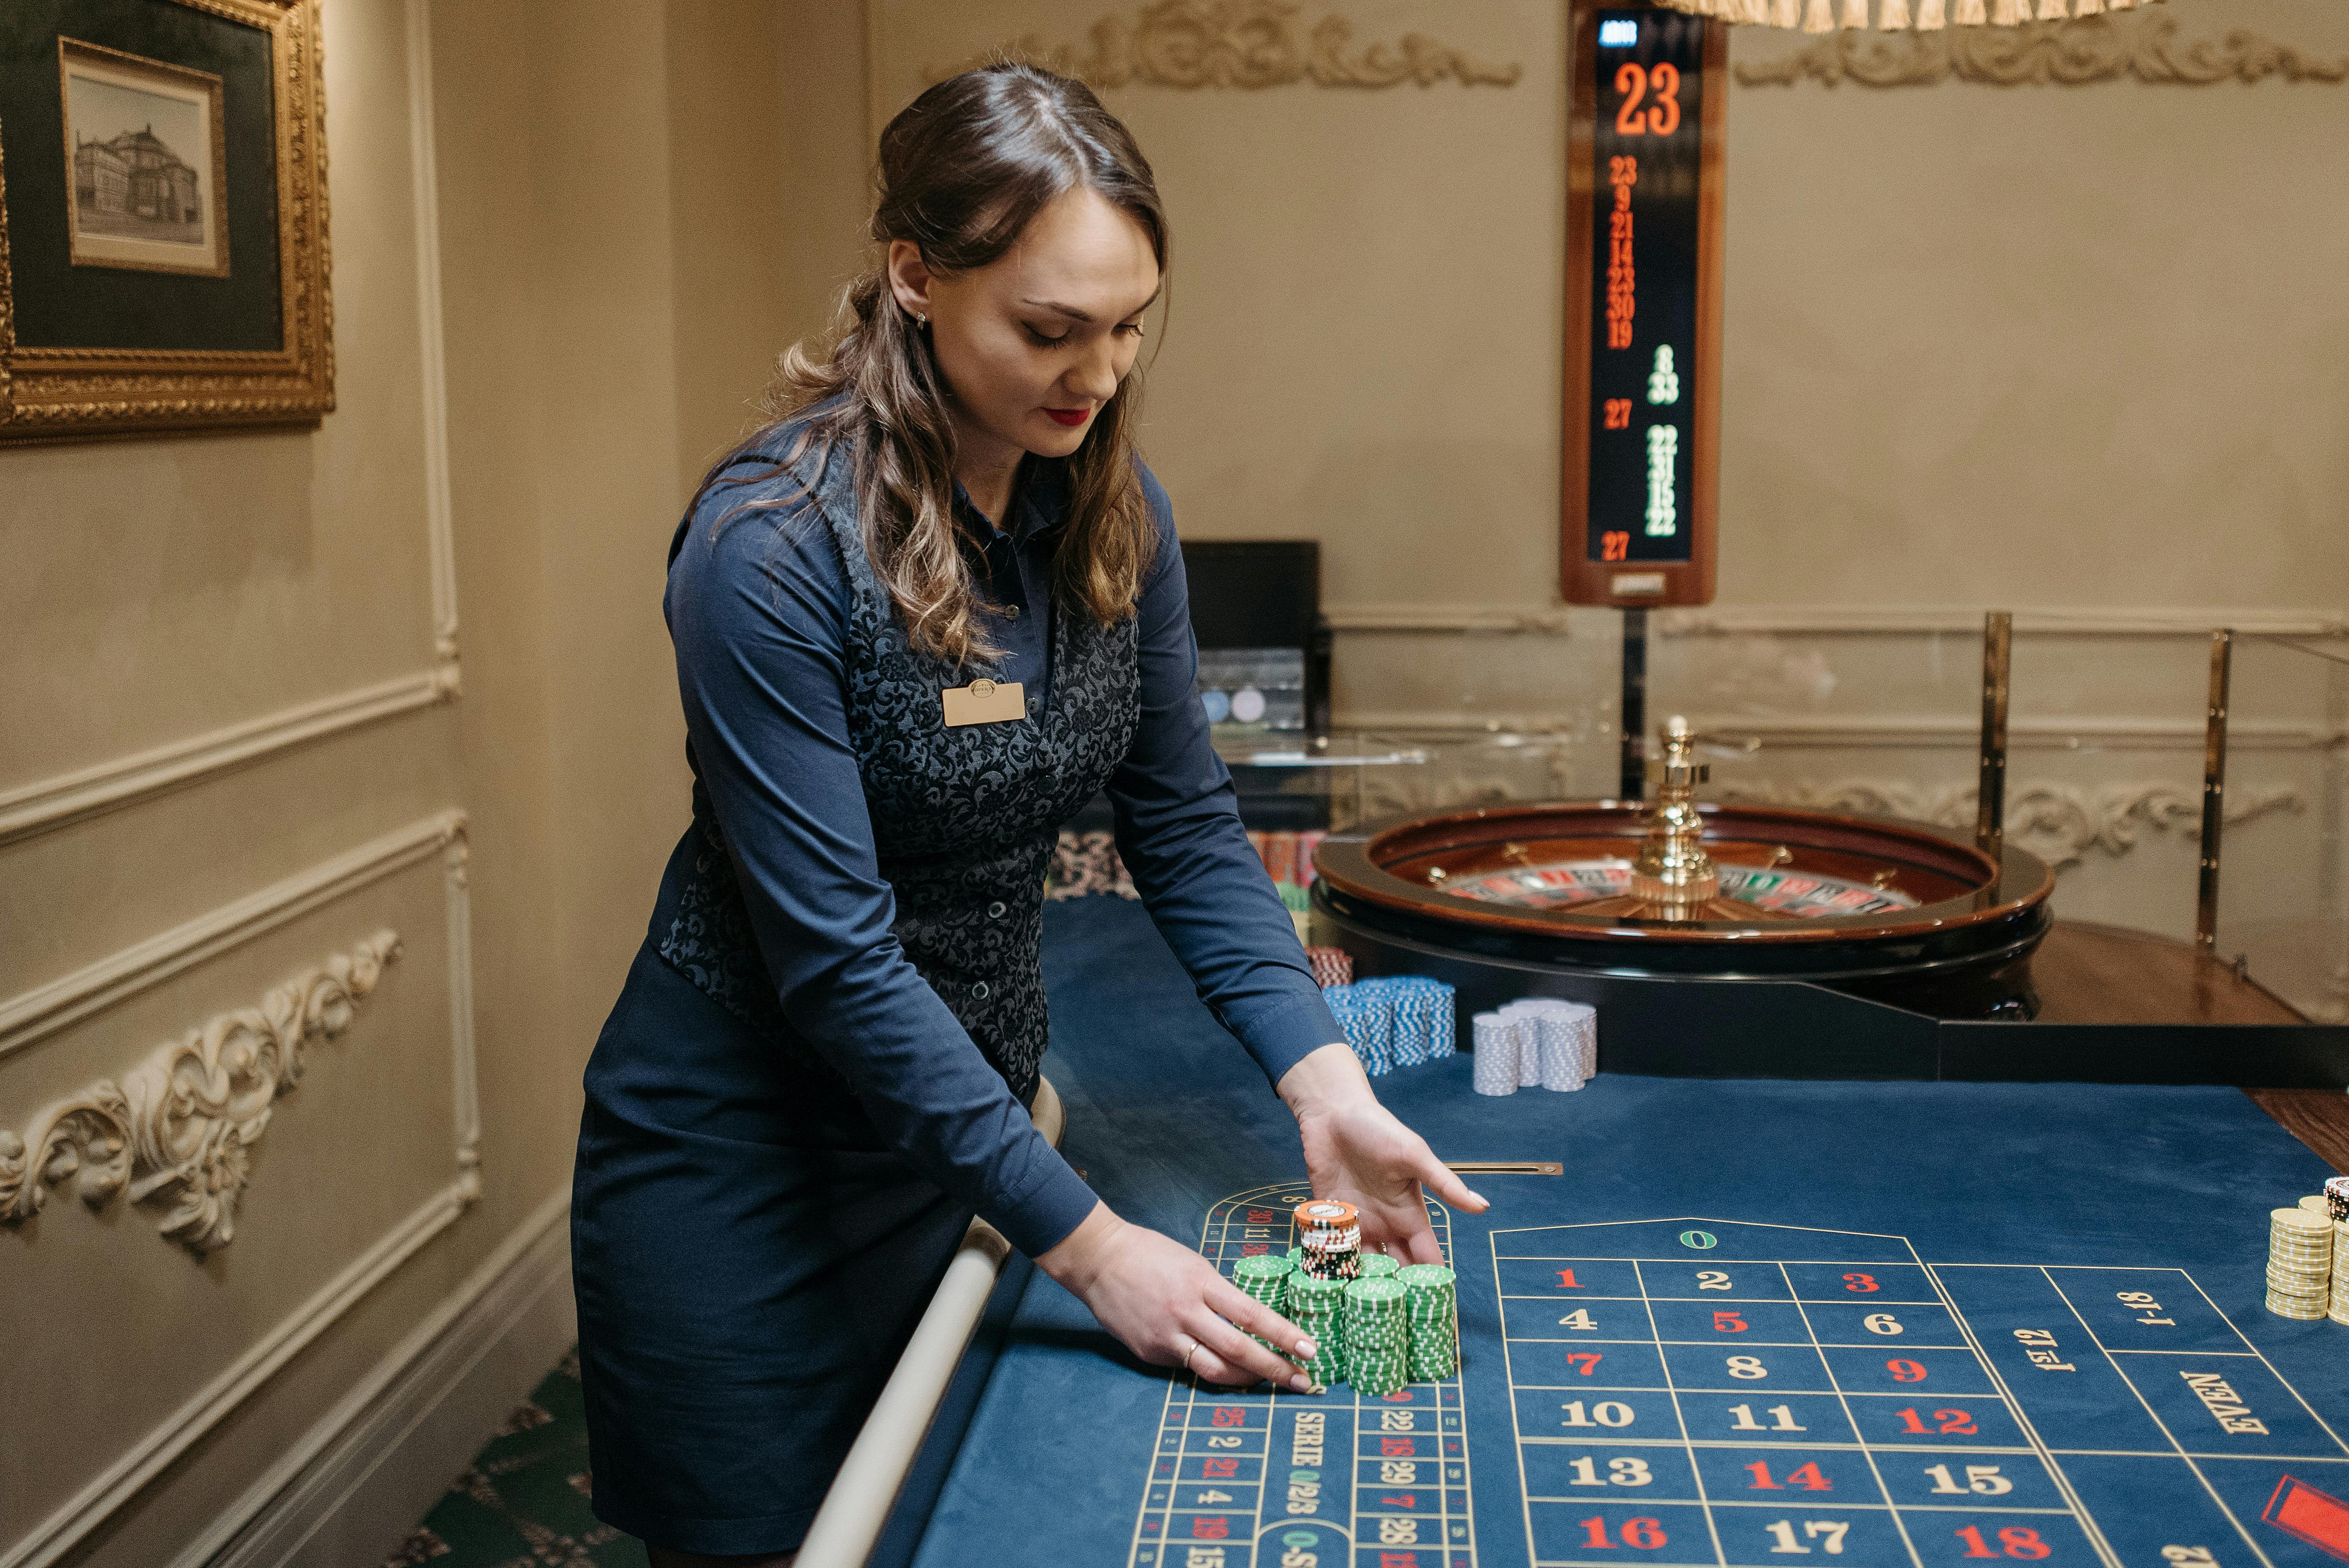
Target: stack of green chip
x=1265 y=1278
x=1377 y=1266
x=1378 y=1337
x=1316 y=1306
x=1432 y=1309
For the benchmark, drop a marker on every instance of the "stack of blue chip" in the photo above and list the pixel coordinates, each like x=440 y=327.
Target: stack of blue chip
x=1380 y=997
x=1376 y=1013
x=1437 y=1004
x=1399 y=1021
x=1370 y=1027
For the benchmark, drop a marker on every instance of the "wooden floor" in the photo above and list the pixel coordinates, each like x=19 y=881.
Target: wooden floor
x=2088 y=974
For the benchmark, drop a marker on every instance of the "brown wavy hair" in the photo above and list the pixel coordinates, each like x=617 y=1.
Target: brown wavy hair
x=963 y=169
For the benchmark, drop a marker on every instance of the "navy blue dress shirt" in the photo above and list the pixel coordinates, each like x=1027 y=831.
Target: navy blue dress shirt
x=758 y=610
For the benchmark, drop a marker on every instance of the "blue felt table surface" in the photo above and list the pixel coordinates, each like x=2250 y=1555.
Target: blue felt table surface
x=1168 y=1116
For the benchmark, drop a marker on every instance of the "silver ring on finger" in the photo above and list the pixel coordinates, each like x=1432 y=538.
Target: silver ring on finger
x=1193 y=1351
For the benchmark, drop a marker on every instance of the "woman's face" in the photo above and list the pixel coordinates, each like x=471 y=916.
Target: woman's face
x=1033 y=344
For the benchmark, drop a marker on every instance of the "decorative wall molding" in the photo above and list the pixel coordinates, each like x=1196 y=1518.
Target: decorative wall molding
x=1240 y=43
x=1908 y=733
x=52 y=802
x=347 y=1486
x=1896 y=732
x=1554 y=621
x=2047 y=620
x=2058 y=823
x=76 y=996
x=1826 y=621
x=55 y=1537
x=439 y=514
x=457 y=903
x=178 y=1127
x=2089 y=49
x=37 y=1013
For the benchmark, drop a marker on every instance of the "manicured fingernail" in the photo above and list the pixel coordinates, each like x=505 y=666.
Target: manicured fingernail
x=1307 y=1349
x=1301 y=1383
x=1478 y=1197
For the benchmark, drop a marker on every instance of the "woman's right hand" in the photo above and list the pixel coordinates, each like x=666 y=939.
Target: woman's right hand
x=1161 y=1298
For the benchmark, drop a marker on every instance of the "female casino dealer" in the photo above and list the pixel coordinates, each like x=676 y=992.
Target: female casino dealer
x=919 y=620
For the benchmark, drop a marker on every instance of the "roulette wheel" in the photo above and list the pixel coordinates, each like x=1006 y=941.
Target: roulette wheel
x=1597 y=891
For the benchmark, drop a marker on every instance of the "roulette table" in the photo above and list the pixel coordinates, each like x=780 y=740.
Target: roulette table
x=1746 y=1321
x=1857 y=947
x=1877 y=906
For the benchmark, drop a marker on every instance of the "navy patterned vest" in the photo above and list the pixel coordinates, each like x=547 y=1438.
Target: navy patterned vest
x=964 y=820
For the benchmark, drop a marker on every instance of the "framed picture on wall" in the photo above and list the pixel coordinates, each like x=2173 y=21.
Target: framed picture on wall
x=164 y=254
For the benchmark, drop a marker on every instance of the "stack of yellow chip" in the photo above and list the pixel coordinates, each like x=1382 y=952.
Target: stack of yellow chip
x=2336 y=1202
x=2299 y=1263
x=2339 y=1308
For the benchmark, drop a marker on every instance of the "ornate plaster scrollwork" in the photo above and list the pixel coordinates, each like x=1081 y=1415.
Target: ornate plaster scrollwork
x=1241 y=44
x=2065 y=54
x=178 y=1127
x=2058 y=823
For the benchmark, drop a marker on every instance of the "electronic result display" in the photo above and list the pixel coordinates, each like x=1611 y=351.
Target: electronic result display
x=1642 y=309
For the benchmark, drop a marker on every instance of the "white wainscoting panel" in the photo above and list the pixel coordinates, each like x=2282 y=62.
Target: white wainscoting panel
x=372 y=1466
x=76 y=996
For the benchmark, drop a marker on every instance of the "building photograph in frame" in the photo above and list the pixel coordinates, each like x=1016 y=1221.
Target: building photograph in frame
x=164 y=263
x=149 y=167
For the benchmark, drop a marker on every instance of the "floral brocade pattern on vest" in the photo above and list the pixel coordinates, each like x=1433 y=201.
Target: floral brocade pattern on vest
x=964 y=820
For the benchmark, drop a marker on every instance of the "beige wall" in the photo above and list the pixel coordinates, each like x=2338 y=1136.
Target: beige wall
x=165 y=594
x=1983 y=344
x=2071 y=351
x=239 y=657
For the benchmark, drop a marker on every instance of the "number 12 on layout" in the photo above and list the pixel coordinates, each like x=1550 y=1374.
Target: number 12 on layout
x=1643 y=313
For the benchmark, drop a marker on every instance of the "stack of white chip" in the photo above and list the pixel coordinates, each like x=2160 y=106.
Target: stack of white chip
x=1536 y=1040
x=1498 y=1049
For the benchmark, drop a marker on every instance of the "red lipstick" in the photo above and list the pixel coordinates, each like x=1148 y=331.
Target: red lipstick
x=1071 y=418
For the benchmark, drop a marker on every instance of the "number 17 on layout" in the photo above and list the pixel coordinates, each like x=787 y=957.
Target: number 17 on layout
x=1643 y=316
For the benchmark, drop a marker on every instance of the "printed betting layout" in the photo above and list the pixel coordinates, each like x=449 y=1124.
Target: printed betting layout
x=1712 y=1392
x=1342 y=1479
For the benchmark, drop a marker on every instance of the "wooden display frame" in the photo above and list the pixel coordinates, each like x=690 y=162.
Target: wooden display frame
x=1583 y=581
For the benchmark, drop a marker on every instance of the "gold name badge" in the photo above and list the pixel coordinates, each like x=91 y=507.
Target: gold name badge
x=985 y=703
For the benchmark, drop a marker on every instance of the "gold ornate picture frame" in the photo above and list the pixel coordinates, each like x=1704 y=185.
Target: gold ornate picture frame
x=163 y=246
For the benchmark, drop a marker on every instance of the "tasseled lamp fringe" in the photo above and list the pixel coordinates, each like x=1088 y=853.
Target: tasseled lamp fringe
x=1897 y=16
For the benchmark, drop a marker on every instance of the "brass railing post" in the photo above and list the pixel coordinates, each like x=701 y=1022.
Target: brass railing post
x=1990 y=795
x=2214 y=790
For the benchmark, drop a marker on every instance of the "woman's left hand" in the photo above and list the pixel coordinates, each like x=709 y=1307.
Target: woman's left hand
x=1356 y=1151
